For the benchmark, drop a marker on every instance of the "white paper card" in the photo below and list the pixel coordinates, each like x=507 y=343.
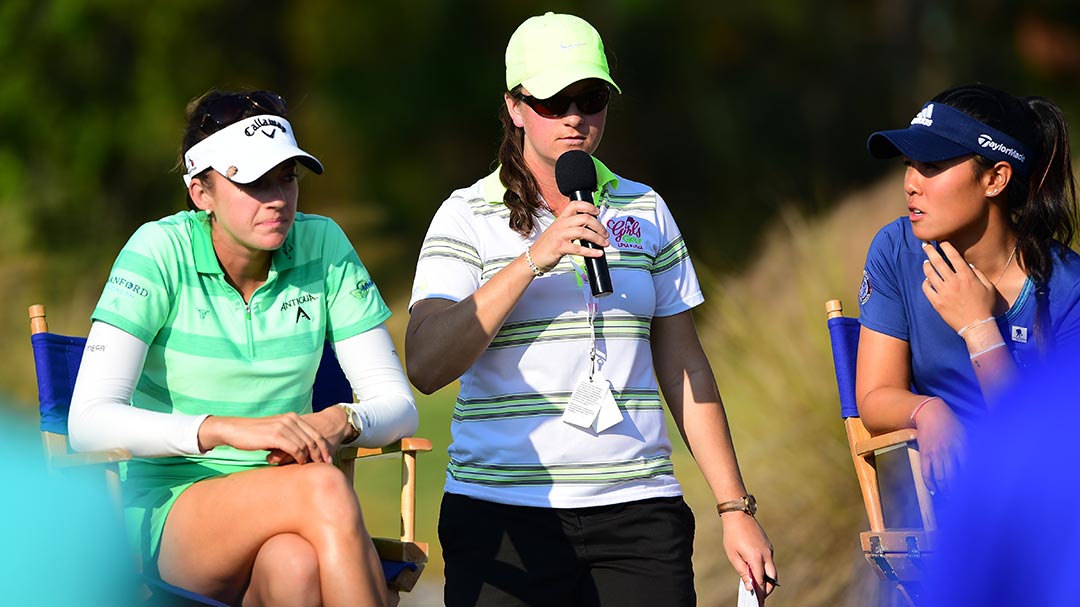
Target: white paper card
x=585 y=402
x=609 y=414
x=747 y=598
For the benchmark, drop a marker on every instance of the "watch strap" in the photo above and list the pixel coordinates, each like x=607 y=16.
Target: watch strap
x=352 y=418
x=746 y=504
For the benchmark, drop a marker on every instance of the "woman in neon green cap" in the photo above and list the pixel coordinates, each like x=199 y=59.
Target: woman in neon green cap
x=560 y=488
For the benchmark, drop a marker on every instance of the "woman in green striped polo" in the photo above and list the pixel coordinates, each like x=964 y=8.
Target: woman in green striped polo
x=201 y=359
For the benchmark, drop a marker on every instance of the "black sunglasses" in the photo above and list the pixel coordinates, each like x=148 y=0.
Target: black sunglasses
x=227 y=109
x=590 y=102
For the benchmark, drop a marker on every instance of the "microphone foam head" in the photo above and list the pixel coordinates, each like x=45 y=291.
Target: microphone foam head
x=575 y=172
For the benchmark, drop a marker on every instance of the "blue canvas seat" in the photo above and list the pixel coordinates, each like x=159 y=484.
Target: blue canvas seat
x=56 y=361
x=896 y=554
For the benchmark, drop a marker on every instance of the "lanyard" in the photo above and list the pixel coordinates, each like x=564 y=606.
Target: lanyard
x=592 y=305
x=592 y=308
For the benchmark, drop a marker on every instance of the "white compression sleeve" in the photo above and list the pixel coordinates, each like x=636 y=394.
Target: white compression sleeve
x=386 y=404
x=101 y=414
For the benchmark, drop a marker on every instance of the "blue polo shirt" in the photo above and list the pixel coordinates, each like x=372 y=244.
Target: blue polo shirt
x=891 y=301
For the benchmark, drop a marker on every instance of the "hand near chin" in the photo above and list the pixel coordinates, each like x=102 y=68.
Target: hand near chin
x=961 y=294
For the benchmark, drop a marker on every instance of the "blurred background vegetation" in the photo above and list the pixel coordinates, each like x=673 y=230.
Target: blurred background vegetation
x=750 y=118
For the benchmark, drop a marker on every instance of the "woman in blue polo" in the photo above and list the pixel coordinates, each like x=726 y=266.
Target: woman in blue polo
x=975 y=283
x=201 y=359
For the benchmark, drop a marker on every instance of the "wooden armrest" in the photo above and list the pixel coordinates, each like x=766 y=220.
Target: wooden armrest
x=90 y=458
x=891 y=439
x=405 y=445
x=409 y=552
x=899 y=540
x=397 y=550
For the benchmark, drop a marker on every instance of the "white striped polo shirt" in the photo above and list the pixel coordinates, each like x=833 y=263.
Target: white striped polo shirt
x=510 y=444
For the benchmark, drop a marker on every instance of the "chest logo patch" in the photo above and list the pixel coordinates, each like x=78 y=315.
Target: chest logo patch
x=1018 y=334
x=626 y=233
x=300 y=313
x=295 y=303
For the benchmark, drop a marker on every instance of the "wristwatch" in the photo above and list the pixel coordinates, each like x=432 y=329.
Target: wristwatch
x=353 y=418
x=746 y=504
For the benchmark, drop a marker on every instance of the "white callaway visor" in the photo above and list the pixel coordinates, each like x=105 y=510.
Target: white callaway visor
x=247 y=149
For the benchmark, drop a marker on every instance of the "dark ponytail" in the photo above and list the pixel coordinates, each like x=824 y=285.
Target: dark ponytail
x=1049 y=211
x=522 y=194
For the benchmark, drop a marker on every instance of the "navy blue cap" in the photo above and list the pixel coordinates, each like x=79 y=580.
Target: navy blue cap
x=939 y=132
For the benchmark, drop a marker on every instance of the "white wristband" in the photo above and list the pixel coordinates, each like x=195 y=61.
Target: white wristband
x=537 y=272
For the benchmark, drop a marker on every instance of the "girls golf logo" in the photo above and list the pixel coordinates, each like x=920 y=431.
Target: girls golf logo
x=627 y=232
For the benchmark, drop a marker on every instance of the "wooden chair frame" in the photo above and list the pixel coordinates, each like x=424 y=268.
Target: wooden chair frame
x=59 y=456
x=896 y=554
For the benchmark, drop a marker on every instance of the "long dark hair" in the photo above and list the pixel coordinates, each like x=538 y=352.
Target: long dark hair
x=1042 y=207
x=522 y=193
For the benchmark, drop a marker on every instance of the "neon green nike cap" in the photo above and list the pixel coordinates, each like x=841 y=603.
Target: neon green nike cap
x=550 y=52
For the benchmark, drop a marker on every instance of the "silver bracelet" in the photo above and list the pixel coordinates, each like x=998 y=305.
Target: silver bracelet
x=993 y=347
x=537 y=272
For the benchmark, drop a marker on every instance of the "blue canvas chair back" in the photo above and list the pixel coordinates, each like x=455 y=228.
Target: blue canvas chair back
x=331 y=386
x=56 y=360
x=844 y=336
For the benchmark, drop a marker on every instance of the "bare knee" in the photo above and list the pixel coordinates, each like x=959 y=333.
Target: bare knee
x=331 y=499
x=285 y=572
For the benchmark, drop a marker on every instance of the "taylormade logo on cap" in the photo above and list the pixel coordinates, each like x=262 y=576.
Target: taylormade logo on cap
x=925 y=117
x=988 y=142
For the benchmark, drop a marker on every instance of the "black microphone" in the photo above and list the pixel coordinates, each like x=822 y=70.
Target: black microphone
x=575 y=175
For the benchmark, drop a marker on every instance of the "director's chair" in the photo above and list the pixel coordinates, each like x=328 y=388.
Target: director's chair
x=56 y=361
x=897 y=554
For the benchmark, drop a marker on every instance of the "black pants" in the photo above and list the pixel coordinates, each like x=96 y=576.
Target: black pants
x=637 y=553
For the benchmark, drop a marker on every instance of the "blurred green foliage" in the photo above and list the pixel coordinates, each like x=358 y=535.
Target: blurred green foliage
x=732 y=110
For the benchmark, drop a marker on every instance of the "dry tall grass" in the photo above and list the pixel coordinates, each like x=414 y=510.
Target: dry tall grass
x=764 y=331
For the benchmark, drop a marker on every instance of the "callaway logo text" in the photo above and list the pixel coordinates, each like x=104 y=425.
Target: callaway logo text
x=258 y=123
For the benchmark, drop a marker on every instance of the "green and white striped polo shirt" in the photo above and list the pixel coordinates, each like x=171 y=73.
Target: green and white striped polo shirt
x=510 y=444
x=211 y=353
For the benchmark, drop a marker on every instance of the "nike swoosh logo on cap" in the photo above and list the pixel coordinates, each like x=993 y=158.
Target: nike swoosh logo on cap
x=566 y=46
